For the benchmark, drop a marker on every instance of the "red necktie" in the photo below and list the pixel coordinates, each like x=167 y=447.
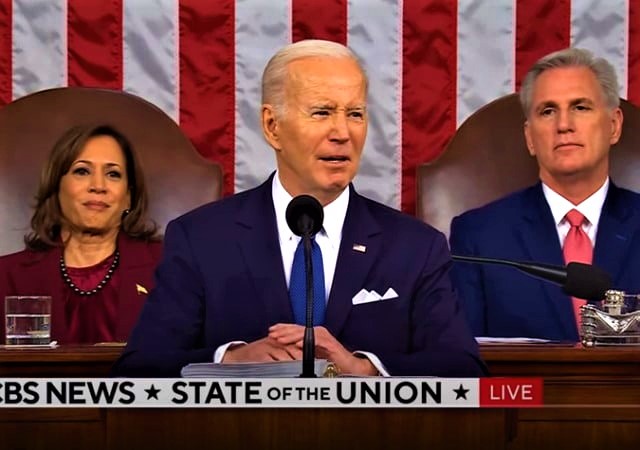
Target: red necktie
x=577 y=248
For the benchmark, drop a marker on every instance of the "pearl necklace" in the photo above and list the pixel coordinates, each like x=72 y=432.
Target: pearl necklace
x=76 y=289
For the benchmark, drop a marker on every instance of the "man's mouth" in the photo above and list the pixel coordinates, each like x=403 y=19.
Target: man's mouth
x=334 y=158
x=565 y=145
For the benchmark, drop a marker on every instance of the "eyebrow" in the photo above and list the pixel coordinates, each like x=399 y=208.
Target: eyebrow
x=84 y=161
x=573 y=102
x=582 y=100
x=333 y=107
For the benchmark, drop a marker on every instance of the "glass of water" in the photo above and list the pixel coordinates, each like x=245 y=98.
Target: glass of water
x=27 y=319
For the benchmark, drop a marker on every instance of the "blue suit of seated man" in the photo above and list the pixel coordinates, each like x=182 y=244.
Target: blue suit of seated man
x=502 y=301
x=570 y=100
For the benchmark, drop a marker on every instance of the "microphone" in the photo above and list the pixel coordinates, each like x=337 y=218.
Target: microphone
x=304 y=216
x=576 y=279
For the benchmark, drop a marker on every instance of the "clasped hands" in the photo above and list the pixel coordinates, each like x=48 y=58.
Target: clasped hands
x=284 y=343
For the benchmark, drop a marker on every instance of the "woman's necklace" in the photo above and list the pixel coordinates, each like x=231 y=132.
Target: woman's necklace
x=105 y=280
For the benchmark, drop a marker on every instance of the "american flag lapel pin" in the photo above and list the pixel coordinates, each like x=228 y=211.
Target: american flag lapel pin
x=360 y=248
x=140 y=289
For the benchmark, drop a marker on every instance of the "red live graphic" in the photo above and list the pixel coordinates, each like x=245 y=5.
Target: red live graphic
x=513 y=392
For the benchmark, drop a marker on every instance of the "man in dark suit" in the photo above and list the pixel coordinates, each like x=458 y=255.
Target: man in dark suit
x=222 y=287
x=570 y=100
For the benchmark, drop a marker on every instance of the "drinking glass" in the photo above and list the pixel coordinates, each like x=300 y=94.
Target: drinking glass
x=27 y=319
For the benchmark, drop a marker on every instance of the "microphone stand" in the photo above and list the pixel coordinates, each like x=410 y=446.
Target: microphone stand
x=308 y=342
x=304 y=216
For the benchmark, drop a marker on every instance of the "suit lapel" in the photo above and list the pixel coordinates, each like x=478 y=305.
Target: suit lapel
x=360 y=229
x=617 y=225
x=135 y=273
x=540 y=239
x=260 y=248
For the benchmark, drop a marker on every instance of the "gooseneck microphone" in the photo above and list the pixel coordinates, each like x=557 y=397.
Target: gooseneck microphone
x=576 y=279
x=304 y=216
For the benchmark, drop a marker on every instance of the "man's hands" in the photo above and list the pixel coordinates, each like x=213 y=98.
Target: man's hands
x=327 y=347
x=262 y=350
x=284 y=343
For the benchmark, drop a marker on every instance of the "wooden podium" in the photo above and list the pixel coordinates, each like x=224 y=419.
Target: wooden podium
x=592 y=399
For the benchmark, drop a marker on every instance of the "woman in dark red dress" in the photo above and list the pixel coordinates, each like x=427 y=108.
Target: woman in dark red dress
x=91 y=247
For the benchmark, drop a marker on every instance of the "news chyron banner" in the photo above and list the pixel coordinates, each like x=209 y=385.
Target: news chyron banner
x=271 y=393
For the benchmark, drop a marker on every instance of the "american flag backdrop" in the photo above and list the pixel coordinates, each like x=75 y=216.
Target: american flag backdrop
x=431 y=63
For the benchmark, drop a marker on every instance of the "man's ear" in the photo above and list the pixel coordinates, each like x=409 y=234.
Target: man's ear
x=616 y=125
x=270 y=126
x=527 y=138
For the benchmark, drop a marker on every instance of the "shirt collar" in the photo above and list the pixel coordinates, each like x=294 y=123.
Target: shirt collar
x=334 y=213
x=590 y=207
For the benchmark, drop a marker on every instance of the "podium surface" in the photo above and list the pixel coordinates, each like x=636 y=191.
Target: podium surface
x=591 y=397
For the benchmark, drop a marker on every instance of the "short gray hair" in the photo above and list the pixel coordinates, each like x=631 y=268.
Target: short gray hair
x=572 y=57
x=275 y=73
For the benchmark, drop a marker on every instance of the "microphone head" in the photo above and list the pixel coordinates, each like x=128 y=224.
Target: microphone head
x=586 y=281
x=304 y=215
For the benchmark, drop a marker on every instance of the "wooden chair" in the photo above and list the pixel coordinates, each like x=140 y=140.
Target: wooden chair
x=178 y=178
x=487 y=158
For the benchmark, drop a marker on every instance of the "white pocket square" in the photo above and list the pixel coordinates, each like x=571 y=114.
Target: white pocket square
x=365 y=296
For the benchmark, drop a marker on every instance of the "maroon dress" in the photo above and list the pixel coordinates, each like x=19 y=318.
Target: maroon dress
x=108 y=315
x=92 y=318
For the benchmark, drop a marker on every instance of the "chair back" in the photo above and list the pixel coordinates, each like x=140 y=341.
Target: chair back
x=487 y=158
x=178 y=178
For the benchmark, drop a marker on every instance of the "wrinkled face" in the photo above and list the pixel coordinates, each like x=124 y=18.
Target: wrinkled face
x=570 y=128
x=94 y=192
x=319 y=137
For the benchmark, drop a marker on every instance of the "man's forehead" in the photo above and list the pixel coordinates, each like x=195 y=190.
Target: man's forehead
x=322 y=70
x=567 y=84
x=314 y=89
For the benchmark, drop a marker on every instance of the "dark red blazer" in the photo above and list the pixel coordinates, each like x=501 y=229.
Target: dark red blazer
x=38 y=273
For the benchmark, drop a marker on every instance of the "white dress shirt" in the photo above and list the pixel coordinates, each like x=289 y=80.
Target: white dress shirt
x=328 y=238
x=590 y=208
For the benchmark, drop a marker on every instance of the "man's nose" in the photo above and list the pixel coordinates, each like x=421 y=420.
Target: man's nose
x=340 y=128
x=565 y=121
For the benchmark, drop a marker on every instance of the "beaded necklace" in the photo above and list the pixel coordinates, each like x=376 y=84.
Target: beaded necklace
x=105 y=280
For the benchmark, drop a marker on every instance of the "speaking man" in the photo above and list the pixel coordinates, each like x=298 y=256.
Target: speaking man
x=224 y=292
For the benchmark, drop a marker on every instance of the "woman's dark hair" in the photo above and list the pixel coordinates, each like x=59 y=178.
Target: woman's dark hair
x=47 y=220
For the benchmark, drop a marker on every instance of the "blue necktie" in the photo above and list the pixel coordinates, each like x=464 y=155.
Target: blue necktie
x=298 y=283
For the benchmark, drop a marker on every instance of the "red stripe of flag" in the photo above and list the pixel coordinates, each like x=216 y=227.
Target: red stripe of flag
x=311 y=21
x=542 y=26
x=511 y=392
x=633 y=74
x=94 y=33
x=207 y=80
x=6 y=25
x=429 y=87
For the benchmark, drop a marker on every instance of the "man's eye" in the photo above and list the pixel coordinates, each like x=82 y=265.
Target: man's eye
x=356 y=114
x=320 y=113
x=547 y=112
x=582 y=108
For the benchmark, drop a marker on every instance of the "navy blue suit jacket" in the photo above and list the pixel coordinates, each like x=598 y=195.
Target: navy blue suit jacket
x=221 y=279
x=501 y=301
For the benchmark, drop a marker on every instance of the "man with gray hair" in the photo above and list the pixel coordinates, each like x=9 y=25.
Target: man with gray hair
x=575 y=213
x=384 y=303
